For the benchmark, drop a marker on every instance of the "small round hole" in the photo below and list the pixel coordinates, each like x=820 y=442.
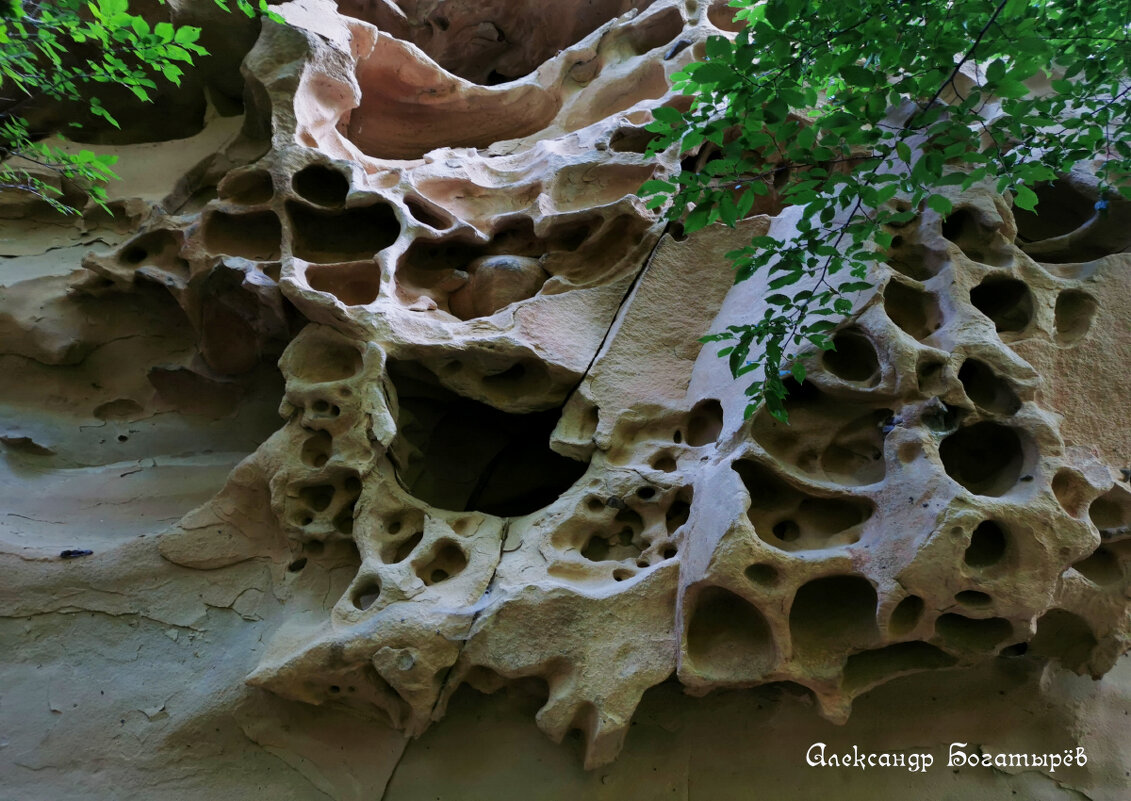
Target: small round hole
x=297 y=565
x=762 y=574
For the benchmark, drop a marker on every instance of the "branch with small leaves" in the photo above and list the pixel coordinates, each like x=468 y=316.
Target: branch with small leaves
x=804 y=104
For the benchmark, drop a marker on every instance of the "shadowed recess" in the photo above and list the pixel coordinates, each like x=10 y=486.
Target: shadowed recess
x=987 y=545
x=728 y=639
x=1065 y=636
x=972 y=634
x=985 y=458
x=853 y=358
x=793 y=520
x=906 y=615
x=1006 y=301
x=872 y=667
x=986 y=389
x=327 y=237
x=831 y=615
x=458 y=454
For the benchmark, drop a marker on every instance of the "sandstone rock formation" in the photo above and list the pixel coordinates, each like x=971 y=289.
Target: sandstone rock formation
x=503 y=459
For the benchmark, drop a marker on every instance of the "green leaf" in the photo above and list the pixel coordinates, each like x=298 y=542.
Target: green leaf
x=1025 y=198
x=940 y=204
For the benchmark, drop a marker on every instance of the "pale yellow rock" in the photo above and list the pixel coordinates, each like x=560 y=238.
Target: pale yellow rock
x=506 y=463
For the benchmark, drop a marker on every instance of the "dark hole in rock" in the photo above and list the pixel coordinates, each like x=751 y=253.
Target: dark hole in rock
x=906 y=615
x=646 y=493
x=973 y=598
x=328 y=237
x=678 y=511
x=366 y=593
x=255 y=236
x=631 y=140
x=831 y=615
x=986 y=458
x=664 y=462
x=247 y=188
x=473 y=42
x=721 y=15
x=159 y=249
x=914 y=310
x=972 y=634
x=762 y=573
x=343 y=520
x=1071 y=490
x=853 y=358
x=705 y=423
x=871 y=667
x=914 y=259
x=321 y=185
x=669 y=552
x=1102 y=567
x=1111 y=512
x=622 y=574
x=986 y=389
x=728 y=639
x=964 y=227
x=297 y=565
x=791 y=519
x=1065 y=636
x=445 y=561
x=655 y=30
x=355 y=284
x=317 y=498
x=427 y=215
x=403 y=549
x=931 y=376
x=1061 y=209
x=461 y=455
x=987 y=545
x=1006 y=301
x=1073 y=316
x=1017 y=649
x=941 y=418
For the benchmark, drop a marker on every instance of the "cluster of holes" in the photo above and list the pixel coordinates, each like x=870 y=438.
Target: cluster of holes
x=793 y=520
x=828 y=437
x=628 y=537
x=324 y=509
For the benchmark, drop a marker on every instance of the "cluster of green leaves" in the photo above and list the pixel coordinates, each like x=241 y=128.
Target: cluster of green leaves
x=860 y=113
x=54 y=50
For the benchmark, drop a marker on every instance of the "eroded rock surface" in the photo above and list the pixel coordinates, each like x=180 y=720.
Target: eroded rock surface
x=503 y=459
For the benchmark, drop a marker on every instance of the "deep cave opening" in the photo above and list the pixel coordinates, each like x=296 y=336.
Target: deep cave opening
x=461 y=455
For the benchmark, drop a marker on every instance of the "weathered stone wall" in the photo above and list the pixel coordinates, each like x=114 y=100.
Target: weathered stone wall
x=507 y=489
